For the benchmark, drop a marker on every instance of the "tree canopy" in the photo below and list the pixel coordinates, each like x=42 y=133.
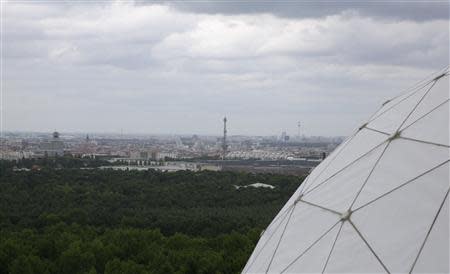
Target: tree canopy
x=106 y=221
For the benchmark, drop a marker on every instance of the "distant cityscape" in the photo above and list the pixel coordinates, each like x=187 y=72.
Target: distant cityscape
x=274 y=154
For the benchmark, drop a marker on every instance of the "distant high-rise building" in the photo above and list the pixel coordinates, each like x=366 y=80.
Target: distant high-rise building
x=53 y=147
x=284 y=137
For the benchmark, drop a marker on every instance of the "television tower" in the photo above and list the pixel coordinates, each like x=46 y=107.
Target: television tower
x=224 y=143
x=299 y=125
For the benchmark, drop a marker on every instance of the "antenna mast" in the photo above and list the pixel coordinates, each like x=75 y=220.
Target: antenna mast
x=224 y=143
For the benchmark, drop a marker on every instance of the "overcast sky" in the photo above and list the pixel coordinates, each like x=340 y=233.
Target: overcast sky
x=179 y=67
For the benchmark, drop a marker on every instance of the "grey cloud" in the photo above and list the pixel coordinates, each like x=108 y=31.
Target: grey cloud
x=156 y=69
x=397 y=10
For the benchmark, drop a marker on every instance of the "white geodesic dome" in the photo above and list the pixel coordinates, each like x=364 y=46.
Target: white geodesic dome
x=378 y=203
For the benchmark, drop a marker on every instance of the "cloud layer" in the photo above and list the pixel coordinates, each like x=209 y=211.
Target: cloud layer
x=162 y=68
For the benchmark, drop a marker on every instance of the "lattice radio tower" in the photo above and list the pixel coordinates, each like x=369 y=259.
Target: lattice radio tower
x=224 y=141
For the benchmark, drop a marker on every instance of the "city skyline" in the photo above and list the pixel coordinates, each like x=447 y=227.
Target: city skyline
x=92 y=134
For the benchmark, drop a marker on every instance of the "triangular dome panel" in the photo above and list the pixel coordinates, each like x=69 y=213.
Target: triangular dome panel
x=351 y=249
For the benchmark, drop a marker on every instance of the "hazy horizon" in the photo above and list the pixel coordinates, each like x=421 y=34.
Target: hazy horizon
x=93 y=134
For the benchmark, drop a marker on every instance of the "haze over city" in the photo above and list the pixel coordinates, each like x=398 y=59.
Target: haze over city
x=169 y=67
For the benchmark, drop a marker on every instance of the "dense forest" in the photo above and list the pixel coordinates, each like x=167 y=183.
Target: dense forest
x=72 y=220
